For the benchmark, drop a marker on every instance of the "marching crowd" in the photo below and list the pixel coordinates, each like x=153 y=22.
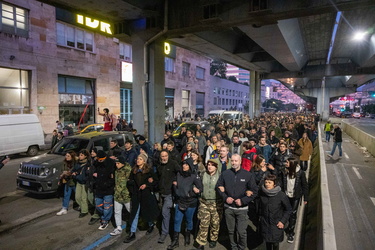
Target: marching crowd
x=219 y=178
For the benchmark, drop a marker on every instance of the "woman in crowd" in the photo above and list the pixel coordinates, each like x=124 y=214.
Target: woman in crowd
x=80 y=174
x=307 y=150
x=210 y=209
x=67 y=180
x=294 y=184
x=197 y=162
x=141 y=185
x=106 y=119
x=242 y=136
x=186 y=189
x=189 y=148
x=275 y=210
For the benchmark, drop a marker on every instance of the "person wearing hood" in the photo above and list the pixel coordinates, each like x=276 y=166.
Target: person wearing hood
x=294 y=184
x=186 y=188
x=210 y=209
x=275 y=211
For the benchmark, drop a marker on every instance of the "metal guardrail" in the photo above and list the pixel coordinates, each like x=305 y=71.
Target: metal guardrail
x=328 y=229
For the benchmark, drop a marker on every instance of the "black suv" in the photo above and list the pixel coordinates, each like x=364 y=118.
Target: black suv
x=41 y=174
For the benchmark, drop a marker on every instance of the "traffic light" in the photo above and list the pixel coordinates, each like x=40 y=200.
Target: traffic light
x=371 y=93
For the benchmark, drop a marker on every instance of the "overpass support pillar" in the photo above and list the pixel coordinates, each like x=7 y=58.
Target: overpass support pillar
x=324 y=95
x=254 y=94
x=148 y=89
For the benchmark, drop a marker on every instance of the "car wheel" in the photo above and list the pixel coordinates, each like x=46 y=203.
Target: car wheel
x=32 y=151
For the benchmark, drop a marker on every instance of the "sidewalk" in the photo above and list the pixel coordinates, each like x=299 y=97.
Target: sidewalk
x=351 y=182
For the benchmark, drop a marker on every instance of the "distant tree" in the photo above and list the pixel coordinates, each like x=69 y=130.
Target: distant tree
x=233 y=79
x=218 y=68
x=369 y=108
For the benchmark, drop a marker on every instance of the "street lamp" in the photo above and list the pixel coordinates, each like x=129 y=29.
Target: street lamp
x=359 y=35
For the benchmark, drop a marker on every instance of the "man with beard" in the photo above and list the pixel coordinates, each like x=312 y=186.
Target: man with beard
x=235 y=147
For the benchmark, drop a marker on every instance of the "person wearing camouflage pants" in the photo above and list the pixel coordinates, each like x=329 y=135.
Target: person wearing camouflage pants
x=210 y=209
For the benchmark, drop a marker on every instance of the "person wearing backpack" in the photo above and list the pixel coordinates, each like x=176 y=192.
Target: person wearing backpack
x=248 y=156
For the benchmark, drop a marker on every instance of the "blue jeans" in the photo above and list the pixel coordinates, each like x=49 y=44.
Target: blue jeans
x=178 y=215
x=134 y=225
x=67 y=193
x=335 y=144
x=328 y=135
x=104 y=205
x=166 y=212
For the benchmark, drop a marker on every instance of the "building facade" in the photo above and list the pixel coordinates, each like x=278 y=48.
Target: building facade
x=56 y=64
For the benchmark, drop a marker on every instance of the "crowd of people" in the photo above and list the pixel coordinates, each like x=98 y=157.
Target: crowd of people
x=222 y=176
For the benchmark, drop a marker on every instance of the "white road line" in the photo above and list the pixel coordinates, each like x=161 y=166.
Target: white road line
x=346 y=155
x=373 y=200
x=357 y=173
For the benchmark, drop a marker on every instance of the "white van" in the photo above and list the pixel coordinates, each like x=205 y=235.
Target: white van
x=20 y=134
x=232 y=115
x=218 y=113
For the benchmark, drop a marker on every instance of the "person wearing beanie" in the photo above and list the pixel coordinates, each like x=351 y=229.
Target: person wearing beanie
x=121 y=196
x=141 y=185
x=104 y=187
x=145 y=144
x=210 y=209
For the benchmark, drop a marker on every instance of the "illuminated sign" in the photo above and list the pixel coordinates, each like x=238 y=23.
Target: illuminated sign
x=95 y=24
x=126 y=72
x=169 y=50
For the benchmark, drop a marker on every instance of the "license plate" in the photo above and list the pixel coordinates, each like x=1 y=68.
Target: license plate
x=26 y=183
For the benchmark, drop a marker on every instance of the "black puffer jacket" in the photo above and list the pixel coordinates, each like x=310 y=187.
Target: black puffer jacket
x=278 y=160
x=300 y=186
x=273 y=209
x=105 y=180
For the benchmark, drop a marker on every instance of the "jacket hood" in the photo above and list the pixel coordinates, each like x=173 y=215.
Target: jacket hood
x=189 y=161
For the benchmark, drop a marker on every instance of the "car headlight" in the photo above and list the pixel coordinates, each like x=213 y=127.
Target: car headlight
x=45 y=172
x=20 y=169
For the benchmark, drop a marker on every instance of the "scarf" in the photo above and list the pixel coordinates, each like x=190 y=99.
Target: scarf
x=271 y=192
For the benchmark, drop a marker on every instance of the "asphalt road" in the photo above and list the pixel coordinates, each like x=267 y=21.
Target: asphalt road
x=364 y=123
x=352 y=193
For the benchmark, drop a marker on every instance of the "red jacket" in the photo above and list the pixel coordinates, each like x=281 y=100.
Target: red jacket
x=248 y=157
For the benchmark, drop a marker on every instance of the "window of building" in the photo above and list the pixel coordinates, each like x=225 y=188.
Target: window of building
x=126 y=104
x=71 y=36
x=215 y=100
x=185 y=100
x=185 y=69
x=14 y=91
x=199 y=73
x=14 y=20
x=169 y=64
x=218 y=101
x=226 y=102
x=125 y=52
x=76 y=100
x=226 y=91
x=222 y=91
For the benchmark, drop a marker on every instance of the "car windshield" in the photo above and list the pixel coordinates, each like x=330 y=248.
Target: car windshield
x=230 y=117
x=68 y=144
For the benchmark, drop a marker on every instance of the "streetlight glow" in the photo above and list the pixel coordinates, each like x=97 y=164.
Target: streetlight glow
x=359 y=35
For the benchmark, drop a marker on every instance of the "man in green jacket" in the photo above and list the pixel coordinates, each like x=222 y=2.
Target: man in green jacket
x=121 y=196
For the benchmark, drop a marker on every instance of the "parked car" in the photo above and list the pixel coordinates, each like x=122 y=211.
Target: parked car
x=91 y=128
x=191 y=125
x=41 y=174
x=372 y=116
x=346 y=114
x=357 y=115
x=21 y=134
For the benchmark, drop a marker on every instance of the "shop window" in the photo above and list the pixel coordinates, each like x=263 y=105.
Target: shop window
x=199 y=73
x=71 y=36
x=126 y=104
x=14 y=90
x=14 y=20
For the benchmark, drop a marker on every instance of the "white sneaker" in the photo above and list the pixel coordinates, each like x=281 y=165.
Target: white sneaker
x=116 y=232
x=103 y=225
x=330 y=156
x=62 y=211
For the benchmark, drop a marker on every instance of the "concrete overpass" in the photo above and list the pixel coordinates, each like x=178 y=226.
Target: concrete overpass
x=285 y=40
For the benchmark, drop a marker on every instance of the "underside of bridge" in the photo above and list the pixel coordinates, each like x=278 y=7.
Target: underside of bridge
x=288 y=41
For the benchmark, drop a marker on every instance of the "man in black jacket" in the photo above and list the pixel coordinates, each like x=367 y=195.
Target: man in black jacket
x=337 y=138
x=167 y=170
x=115 y=150
x=129 y=153
x=232 y=186
x=104 y=187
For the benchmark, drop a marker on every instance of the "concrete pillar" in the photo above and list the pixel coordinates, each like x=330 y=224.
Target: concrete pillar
x=139 y=80
x=254 y=94
x=156 y=96
x=324 y=95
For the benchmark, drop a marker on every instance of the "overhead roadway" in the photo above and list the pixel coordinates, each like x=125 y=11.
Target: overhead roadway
x=284 y=40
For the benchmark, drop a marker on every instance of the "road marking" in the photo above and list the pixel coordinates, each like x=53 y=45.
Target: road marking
x=373 y=200
x=357 y=173
x=346 y=155
x=101 y=240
